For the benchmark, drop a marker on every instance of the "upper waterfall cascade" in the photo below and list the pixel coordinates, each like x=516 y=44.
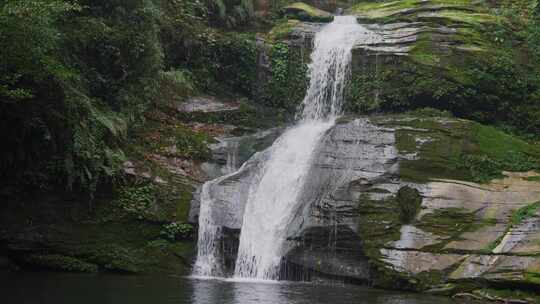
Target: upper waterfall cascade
x=273 y=198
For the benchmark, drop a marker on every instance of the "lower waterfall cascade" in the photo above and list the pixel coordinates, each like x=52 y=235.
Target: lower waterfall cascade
x=273 y=196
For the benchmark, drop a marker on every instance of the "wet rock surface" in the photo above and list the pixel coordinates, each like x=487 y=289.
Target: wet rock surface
x=350 y=224
x=207 y=104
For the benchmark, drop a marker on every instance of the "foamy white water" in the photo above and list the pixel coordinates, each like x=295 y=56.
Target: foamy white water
x=208 y=263
x=274 y=201
x=272 y=204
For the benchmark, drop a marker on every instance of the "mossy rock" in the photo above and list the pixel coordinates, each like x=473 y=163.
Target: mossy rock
x=409 y=201
x=390 y=11
x=447 y=148
x=57 y=262
x=282 y=30
x=418 y=234
x=306 y=12
x=459 y=56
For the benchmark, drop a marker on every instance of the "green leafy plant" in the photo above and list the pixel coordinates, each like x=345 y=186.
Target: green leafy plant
x=176 y=231
x=137 y=200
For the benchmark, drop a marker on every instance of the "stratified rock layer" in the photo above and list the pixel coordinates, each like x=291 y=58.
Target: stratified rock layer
x=351 y=225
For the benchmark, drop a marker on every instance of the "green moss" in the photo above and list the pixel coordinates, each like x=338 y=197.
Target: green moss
x=451 y=223
x=440 y=141
x=472 y=70
x=379 y=224
x=58 y=262
x=498 y=144
x=392 y=9
x=518 y=216
x=534 y=278
x=524 y=213
x=457 y=149
x=127 y=246
x=481 y=167
x=476 y=19
x=282 y=29
x=306 y=12
x=448 y=222
x=532 y=178
x=495 y=152
x=409 y=201
x=424 y=51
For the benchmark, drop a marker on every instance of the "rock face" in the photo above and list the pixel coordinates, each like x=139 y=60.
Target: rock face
x=438 y=53
x=368 y=173
x=206 y=104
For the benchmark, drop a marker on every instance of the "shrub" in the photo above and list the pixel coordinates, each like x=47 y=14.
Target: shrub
x=176 y=231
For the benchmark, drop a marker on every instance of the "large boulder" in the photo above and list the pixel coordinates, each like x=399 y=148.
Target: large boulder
x=401 y=202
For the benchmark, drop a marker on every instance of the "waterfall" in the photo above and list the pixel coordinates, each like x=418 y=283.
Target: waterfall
x=273 y=200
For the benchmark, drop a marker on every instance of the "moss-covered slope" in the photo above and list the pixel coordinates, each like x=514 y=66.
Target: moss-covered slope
x=469 y=57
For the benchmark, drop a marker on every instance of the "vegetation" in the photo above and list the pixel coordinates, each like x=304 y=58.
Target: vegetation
x=84 y=73
x=60 y=263
x=524 y=213
x=71 y=85
x=89 y=91
x=475 y=76
x=409 y=201
x=174 y=231
x=306 y=12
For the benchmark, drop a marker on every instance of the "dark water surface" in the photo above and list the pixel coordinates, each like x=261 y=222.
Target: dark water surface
x=46 y=288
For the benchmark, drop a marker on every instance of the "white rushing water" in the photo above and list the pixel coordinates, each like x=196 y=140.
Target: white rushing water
x=208 y=262
x=274 y=201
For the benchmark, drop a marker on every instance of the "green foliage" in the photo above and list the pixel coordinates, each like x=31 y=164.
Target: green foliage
x=174 y=85
x=72 y=85
x=282 y=29
x=176 y=231
x=224 y=62
x=29 y=39
x=497 y=152
x=192 y=145
x=280 y=56
x=287 y=84
x=137 y=200
x=481 y=167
